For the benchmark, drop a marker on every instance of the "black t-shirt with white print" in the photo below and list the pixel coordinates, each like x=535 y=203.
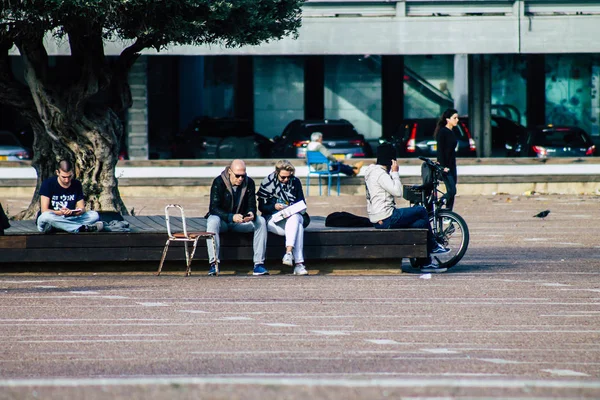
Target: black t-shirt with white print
x=61 y=197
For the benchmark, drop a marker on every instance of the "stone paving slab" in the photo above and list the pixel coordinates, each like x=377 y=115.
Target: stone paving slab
x=519 y=317
x=527 y=331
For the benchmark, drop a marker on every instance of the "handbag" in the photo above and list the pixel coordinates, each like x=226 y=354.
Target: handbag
x=305 y=219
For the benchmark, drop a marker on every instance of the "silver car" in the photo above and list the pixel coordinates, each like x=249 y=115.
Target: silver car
x=339 y=136
x=11 y=149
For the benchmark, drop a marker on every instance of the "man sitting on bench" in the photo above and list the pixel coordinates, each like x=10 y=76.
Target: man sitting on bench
x=62 y=206
x=383 y=183
x=233 y=208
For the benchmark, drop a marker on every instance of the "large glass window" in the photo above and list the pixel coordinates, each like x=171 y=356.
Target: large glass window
x=569 y=91
x=219 y=86
x=353 y=92
x=509 y=87
x=428 y=85
x=278 y=93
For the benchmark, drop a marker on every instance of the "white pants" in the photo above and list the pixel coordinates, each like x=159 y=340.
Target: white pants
x=293 y=231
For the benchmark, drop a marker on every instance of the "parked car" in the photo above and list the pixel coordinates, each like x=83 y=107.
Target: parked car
x=504 y=131
x=227 y=138
x=554 y=141
x=415 y=138
x=339 y=136
x=11 y=149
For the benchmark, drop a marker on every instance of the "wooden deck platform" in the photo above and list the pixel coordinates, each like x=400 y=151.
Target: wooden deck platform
x=22 y=243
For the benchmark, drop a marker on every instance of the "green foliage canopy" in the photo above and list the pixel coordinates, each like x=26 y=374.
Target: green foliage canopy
x=72 y=105
x=155 y=23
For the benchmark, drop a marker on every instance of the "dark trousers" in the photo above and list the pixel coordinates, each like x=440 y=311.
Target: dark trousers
x=450 y=182
x=410 y=217
x=344 y=168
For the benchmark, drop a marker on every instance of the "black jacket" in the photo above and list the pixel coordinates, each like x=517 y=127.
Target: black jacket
x=446 y=150
x=221 y=198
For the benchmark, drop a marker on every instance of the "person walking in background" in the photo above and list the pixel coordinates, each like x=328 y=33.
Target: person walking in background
x=383 y=183
x=233 y=208
x=446 y=152
x=62 y=206
x=316 y=144
x=279 y=190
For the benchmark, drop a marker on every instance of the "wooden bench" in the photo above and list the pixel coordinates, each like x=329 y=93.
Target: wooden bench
x=22 y=243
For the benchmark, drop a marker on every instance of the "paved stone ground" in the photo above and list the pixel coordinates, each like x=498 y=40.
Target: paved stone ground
x=519 y=317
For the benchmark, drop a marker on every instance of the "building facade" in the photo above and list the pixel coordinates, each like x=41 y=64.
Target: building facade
x=375 y=63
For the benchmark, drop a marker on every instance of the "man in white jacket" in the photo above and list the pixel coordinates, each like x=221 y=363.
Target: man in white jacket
x=316 y=144
x=383 y=184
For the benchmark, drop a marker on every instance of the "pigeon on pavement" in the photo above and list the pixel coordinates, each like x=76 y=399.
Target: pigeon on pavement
x=542 y=214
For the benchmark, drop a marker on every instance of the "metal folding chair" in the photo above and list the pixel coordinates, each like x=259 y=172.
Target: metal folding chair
x=184 y=237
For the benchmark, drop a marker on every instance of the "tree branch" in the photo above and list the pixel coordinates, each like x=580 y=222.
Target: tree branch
x=120 y=90
x=87 y=56
x=12 y=92
x=130 y=54
x=35 y=59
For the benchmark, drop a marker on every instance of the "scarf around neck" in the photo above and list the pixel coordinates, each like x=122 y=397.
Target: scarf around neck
x=241 y=190
x=272 y=187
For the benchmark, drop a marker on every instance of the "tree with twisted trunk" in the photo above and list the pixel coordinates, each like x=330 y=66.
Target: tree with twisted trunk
x=73 y=106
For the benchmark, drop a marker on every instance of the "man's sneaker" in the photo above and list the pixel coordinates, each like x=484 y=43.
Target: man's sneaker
x=288 y=259
x=95 y=227
x=259 y=269
x=300 y=269
x=439 y=249
x=87 y=228
x=433 y=267
x=213 y=269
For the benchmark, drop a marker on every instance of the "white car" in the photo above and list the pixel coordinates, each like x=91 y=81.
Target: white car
x=11 y=149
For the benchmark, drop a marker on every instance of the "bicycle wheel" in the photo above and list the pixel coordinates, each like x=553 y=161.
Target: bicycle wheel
x=452 y=232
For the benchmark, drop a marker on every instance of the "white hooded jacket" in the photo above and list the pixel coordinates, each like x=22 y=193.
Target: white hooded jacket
x=381 y=190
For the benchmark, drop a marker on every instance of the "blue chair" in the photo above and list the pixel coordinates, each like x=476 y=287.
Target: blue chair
x=316 y=160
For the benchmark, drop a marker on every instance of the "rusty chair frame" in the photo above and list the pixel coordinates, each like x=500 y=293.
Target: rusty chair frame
x=184 y=237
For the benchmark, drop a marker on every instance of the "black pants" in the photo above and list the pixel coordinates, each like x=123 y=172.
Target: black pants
x=450 y=183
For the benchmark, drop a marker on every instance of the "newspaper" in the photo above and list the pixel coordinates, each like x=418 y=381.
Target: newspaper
x=290 y=210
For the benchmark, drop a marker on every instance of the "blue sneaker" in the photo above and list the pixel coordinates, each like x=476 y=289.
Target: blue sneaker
x=432 y=267
x=439 y=249
x=213 y=269
x=259 y=269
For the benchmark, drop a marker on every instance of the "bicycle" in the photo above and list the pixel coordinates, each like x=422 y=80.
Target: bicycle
x=449 y=228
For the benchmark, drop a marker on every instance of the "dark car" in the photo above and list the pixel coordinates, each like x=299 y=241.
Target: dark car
x=339 y=136
x=11 y=149
x=415 y=138
x=555 y=141
x=227 y=138
x=504 y=132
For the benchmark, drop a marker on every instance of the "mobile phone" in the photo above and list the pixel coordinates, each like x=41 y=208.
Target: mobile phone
x=76 y=209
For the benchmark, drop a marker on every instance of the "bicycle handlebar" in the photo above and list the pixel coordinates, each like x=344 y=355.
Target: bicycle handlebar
x=432 y=164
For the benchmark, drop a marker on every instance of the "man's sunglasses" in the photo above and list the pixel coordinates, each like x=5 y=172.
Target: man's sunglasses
x=238 y=176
